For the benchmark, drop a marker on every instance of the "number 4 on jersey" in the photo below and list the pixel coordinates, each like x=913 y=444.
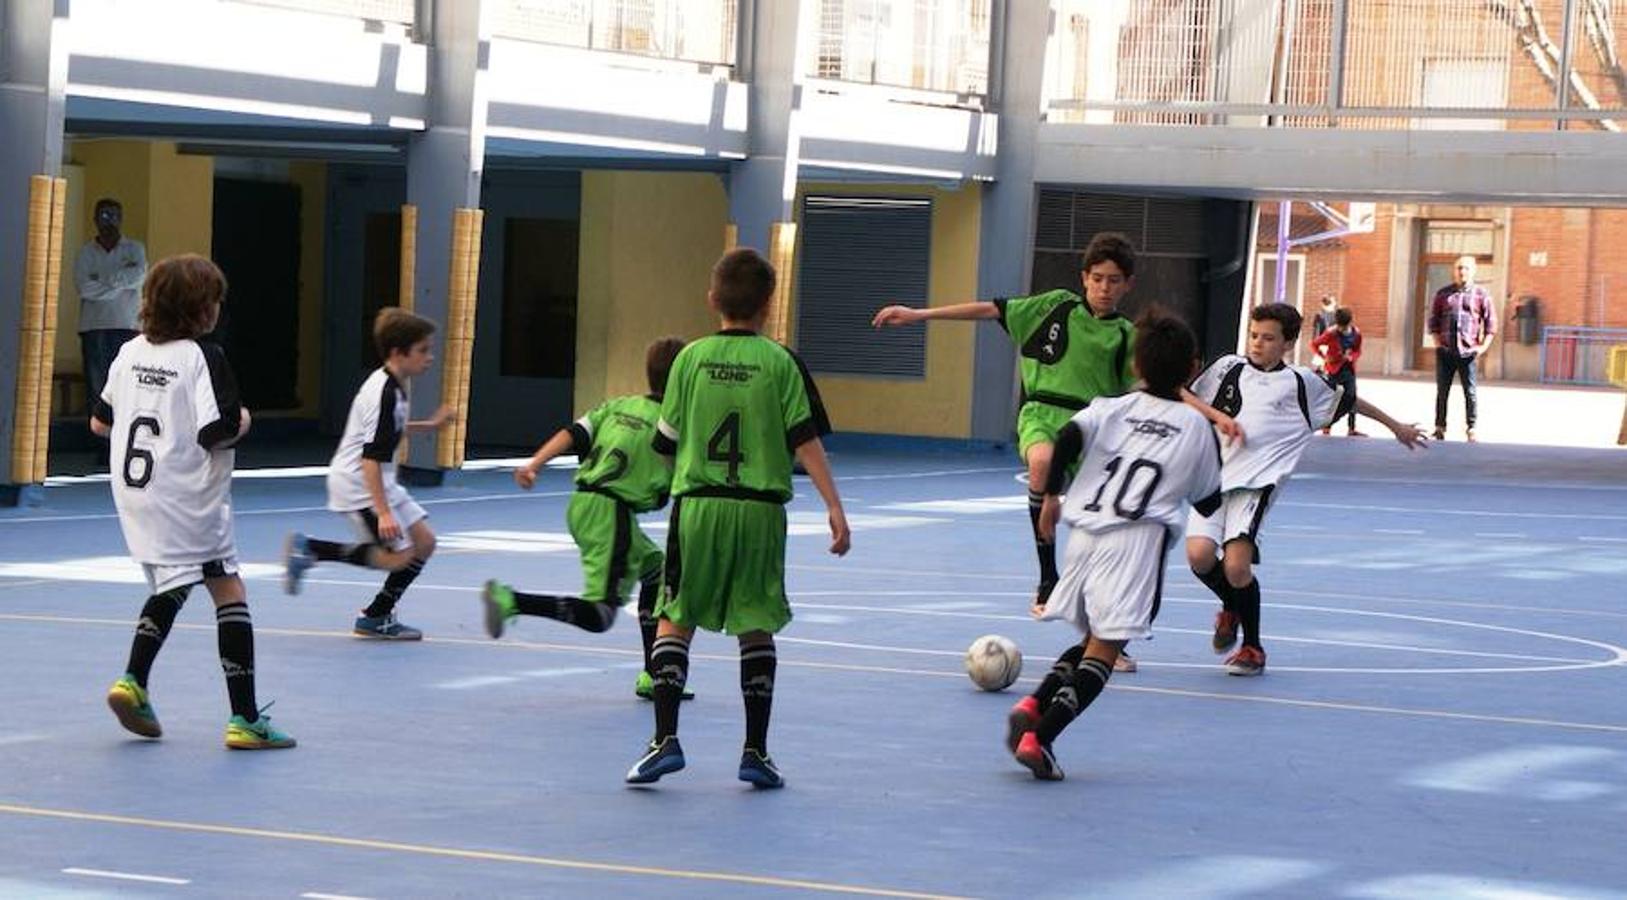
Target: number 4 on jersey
x=724 y=446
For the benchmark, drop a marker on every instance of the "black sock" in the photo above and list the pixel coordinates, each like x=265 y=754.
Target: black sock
x=1074 y=697
x=156 y=618
x=394 y=587
x=669 y=665
x=1046 y=550
x=1248 y=609
x=648 y=590
x=1215 y=581
x=758 y=660
x=333 y=551
x=1061 y=673
x=235 y=631
x=584 y=614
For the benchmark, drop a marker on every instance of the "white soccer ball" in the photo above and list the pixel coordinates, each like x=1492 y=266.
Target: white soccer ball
x=993 y=662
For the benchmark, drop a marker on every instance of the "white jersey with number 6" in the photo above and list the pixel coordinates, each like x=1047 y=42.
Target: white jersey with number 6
x=1145 y=459
x=172 y=406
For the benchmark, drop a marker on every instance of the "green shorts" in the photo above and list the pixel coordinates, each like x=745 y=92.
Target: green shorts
x=726 y=566
x=1038 y=423
x=615 y=551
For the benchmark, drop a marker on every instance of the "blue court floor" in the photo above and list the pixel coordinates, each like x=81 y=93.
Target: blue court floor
x=1444 y=713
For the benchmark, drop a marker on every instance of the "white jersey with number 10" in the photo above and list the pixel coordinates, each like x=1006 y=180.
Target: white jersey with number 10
x=1145 y=459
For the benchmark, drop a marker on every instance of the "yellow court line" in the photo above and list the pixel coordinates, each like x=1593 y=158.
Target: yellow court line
x=459 y=853
x=894 y=670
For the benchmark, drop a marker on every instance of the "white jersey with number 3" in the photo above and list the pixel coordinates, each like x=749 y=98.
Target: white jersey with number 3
x=171 y=407
x=1145 y=459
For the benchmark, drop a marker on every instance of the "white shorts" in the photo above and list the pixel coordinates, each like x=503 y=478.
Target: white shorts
x=1240 y=515
x=407 y=513
x=1112 y=581
x=161 y=578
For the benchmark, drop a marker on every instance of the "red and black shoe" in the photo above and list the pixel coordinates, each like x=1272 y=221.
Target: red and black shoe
x=1024 y=717
x=1226 y=625
x=1038 y=758
x=1246 y=661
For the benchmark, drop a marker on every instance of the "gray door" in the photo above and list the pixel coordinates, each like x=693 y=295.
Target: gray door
x=363 y=274
x=525 y=325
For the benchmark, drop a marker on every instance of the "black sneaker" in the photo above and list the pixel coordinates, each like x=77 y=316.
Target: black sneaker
x=759 y=771
x=659 y=759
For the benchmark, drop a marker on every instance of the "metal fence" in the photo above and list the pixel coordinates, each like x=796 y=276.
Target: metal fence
x=1572 y=355
x=1398 y=64
x=700 y=31
x=930 y=45
x=379 y=10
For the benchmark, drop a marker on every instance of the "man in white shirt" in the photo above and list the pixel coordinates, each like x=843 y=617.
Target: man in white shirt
x=108 y=274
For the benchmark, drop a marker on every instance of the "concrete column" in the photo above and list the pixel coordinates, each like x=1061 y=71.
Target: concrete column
x=34 y=64
x=763 y=186
x=444 y=165
x=1006 y=240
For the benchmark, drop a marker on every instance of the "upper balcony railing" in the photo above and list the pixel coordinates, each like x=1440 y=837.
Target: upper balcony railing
x=1376 y=64
x=697 y=31
x=401 y=11
x=938 y=47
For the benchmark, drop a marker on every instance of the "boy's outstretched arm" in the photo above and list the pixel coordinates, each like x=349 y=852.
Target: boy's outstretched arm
x=1409 y=434
x=433 y=422
x=904 y=315
x=1228 y=426
x=811 y=454
x=563 y=440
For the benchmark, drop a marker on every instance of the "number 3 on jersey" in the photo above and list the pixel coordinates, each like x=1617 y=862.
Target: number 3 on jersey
x=1147 y=485
x=724 y=446
x=132 y=453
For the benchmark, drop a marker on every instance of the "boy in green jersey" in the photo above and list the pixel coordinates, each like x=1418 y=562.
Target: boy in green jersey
x=1070 y=351
x=620 y=475
x=739 y=408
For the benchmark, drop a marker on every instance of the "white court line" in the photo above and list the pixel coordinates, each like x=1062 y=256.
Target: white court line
x=1412 y=531
x=284 y=510
x=1500 y=534
x=1404 y=482
x=1195 y=879
x=125 y=876
x=1447 y=510
x=315 y=895
x=1603 y=540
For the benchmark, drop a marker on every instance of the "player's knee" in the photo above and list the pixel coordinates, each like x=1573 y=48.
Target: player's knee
x=1239 y=572
x=1200 y=555
x=423 y=544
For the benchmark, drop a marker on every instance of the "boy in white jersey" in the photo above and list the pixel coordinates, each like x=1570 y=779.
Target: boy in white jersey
x=1147 y=455
x=172 y=413
x=1280 y=406
x=394 y=530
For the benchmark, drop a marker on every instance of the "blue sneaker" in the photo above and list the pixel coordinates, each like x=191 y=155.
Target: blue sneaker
x=129 y=702
x=659 y=759
x=385 y=628
x=759 y=771
x=296 y=561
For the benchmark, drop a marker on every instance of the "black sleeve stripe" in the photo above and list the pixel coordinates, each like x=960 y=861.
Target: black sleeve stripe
x=1304 y=400
x=816 y=406
x=1070 y=445
x=227 y=400
x=1207 y=369
x=1000 y=306
x=385 y=435
x=664 y=445
x=801 y=433
x=581 y=441
x=1207 y=506
x=103 y=412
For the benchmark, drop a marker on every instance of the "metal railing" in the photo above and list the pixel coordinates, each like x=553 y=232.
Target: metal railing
x=1395 y=64
x=699 y=31
x=939 y=46
x=380 y=10
x=1572 y=355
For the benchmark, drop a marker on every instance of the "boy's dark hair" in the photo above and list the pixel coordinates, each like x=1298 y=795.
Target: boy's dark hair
x=1110 y=246
x=742 y=284
x=178 y=298
x=396 y=329
x=658 y=361
x=1165 y=350
x=1342 y=317
x=1282 y=314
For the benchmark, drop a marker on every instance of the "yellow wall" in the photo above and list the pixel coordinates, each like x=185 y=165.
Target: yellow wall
x=312 y=179
x=648 y=243
x=939 y=405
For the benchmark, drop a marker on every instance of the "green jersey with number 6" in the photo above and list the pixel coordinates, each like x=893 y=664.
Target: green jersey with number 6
x=737 y=406
x=613 y=443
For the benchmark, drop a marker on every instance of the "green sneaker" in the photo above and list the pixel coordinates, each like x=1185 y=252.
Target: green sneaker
x=498 y=598
x=242 y=734
x=644 y=688
x=128 y=701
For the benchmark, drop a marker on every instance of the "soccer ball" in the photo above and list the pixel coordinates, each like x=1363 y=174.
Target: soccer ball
x=993 y=662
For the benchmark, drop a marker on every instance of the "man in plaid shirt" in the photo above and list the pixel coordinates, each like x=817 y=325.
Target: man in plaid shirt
x=1463 y=322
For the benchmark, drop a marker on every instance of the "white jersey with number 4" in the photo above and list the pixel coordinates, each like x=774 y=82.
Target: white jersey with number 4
x=1145 y=459
x=173 y=407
